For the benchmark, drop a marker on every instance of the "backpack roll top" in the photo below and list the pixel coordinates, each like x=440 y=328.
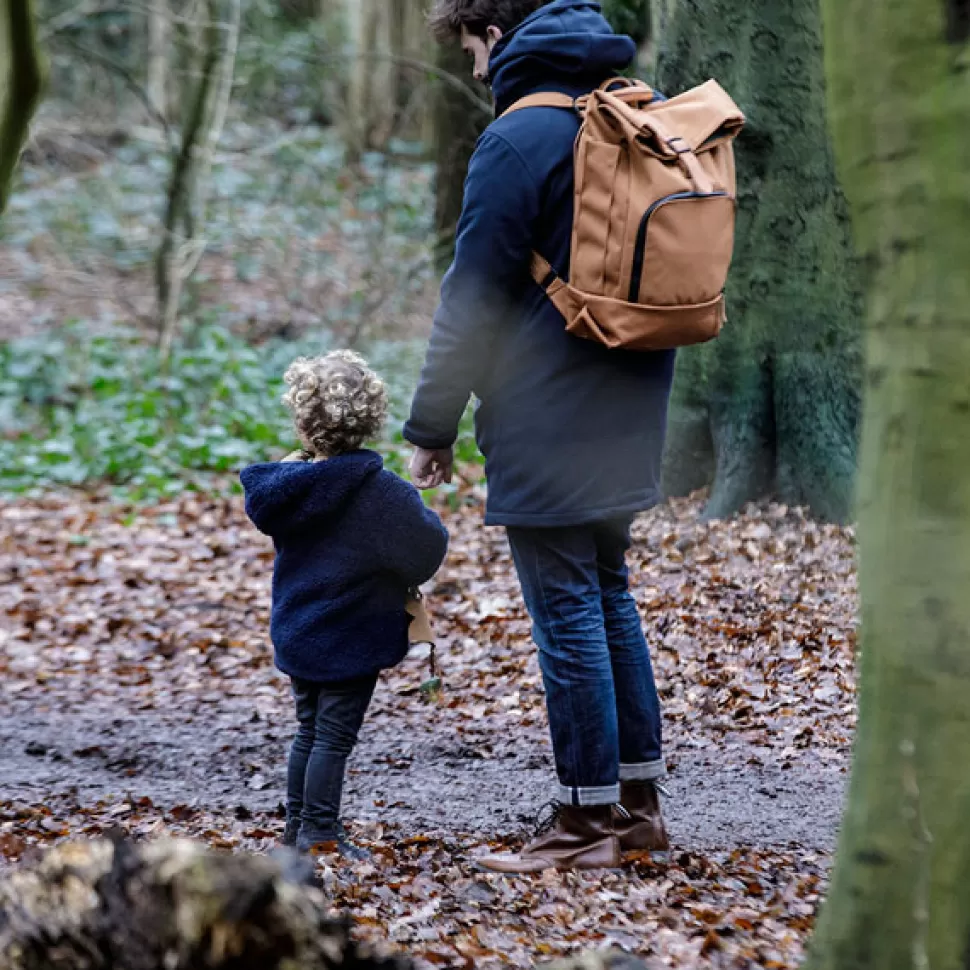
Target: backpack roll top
x=654 y=216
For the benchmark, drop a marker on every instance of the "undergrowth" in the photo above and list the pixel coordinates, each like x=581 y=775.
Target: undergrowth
x=81 y=410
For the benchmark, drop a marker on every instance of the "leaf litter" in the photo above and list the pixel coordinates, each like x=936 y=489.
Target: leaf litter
x=148 y=626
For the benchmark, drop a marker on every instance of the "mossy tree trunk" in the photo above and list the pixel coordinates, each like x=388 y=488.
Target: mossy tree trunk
x=631 y=17
x=20 y=84
x=900 y=90
x=634 y=18
x=772 y=407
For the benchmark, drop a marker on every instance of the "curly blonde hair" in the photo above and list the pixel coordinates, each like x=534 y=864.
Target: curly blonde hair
x=337 y=402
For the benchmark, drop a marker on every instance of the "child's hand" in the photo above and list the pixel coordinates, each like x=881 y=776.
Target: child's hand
x=431 y=468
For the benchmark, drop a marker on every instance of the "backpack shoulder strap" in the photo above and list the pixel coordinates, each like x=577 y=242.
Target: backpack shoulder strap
x=550 y=99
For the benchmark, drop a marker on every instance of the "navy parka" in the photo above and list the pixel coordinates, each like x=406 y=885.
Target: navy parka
x=572 y=432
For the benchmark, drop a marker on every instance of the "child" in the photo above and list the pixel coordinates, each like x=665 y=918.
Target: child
x=351 y=540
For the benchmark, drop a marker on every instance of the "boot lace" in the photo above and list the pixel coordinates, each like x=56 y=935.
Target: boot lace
x=546 y=818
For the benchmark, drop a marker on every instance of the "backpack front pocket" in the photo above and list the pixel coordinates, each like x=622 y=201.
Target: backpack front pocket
x=683 y=249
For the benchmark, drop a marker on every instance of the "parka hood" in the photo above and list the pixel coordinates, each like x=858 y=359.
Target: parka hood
x=565 y=46
x=282 y=497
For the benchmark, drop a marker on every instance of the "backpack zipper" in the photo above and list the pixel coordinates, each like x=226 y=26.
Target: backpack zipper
x=639 y=251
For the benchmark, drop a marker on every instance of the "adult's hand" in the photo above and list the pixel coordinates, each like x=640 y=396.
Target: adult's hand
x=432 y=467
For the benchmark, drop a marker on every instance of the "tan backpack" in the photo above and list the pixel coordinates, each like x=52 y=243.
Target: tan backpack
x=653 y=230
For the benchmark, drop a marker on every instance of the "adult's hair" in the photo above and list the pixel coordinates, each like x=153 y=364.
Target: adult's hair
x=447 y=17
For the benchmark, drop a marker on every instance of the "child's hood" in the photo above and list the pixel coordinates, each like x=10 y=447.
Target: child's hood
x=284 y=496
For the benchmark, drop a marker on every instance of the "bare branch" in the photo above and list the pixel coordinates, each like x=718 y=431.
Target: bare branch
x=133 y=85
x=71 y=18
x=416 y=64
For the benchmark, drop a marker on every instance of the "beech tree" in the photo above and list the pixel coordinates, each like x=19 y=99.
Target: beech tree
x=631 y=17
x=899 y=76
x=20 y=84
x=772 y=406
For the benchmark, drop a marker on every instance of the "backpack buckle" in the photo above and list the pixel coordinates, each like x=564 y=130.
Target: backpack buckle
x=678 y=145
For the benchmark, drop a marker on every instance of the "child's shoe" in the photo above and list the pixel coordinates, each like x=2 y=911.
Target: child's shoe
x=327 y=843
x=291 y=832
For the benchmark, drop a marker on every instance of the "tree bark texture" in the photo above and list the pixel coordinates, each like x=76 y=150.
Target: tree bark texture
x=900 y=91
x=772 y=407
x=631 y=17
x=159 y=44
x=411 y=45
x=372 y=99
x=634 y=18
x=457 y=126
x=20 y=84
x=109 y=904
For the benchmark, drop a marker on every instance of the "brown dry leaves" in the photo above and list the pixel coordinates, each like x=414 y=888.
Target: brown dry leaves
x=751 y=622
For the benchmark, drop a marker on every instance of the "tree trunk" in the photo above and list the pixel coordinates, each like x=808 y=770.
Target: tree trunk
x=631 y=17
x=457 y=126
x=181 y=248
x=411 y=44
x=20 y=84
x=900 y=91
x=159 y=48
x=661 y=15
x=371 y=100
x=772 y=407
x=634 y=18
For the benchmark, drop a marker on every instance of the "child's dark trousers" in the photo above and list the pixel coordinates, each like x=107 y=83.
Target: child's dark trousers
x=330 y=717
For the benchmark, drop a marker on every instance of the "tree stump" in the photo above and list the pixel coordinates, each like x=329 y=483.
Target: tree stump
x=172 y=905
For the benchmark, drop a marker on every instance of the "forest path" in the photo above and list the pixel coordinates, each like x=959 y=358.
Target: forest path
x=137 y=691
x=419 y=780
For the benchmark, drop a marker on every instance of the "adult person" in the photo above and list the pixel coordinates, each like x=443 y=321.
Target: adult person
x=572 y=432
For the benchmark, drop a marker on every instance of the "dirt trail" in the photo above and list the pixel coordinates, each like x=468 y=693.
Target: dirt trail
x=134 y=661
x=137 y=690
x=221 y=758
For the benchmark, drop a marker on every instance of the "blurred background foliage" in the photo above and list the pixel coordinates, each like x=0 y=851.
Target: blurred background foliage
x=210 y=188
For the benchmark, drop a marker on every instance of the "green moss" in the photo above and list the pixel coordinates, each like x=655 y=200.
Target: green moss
x=900 y=92
x=631 y=17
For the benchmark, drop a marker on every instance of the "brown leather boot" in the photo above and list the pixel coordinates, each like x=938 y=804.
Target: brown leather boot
x=641 y=828
x=574 y=838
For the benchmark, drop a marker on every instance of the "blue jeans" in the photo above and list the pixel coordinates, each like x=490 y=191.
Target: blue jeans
x=330 y=717
x=604 y=712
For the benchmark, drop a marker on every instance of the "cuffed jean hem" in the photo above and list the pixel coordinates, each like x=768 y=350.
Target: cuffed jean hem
x=645 y=771
x=607 y=795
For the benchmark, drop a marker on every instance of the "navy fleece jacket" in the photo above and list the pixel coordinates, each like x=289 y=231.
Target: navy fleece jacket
x=572 y=432
x=351 y=539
